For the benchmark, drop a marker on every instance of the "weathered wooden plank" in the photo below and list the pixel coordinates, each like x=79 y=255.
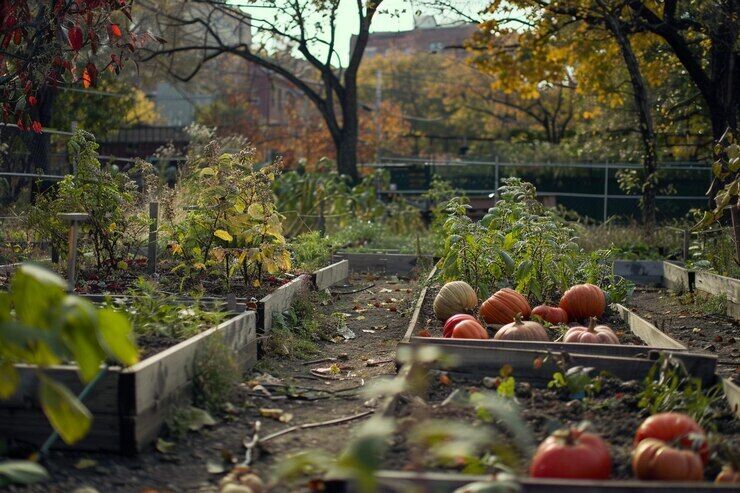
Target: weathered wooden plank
x=440 y=482
x=717 y=285
x=732 y=392
x=331 y=274
x=417 y=307
x=102 y=399
x=640 y=271
x=484 y=361
x=148 y=382
x=647 y=331
x=677 y=278
x=8 y=268
x=141 y=430
x=388 y=263
x=32 y=427
x=279 y=301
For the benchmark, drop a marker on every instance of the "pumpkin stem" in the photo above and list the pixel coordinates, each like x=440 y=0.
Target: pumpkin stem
x=518 y=318
x=592 y=325
x=567 y=436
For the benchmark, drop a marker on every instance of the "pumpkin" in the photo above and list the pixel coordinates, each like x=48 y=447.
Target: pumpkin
x=553 y=314
x=583 y=301
x=593 y=334
x=670 y=427
x=520 y=330
x=572 y=454
x=728 y=474
x=469 y=329
x=453 y=321
x=454 y=297
x=655 y=459
x=503 y=305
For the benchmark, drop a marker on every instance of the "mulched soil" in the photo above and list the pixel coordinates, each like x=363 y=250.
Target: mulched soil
x=709 y=333
x=378 y=316
x=613 y=414
x=428 y=321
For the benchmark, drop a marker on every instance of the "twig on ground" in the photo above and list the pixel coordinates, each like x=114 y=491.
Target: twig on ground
x=315 y=425
x=252 y=443
x=371 y=285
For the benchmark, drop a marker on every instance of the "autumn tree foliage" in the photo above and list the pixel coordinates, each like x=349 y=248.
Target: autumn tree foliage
x=47 y=44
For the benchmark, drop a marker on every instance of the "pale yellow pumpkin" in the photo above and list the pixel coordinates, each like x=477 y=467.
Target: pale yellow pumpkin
x=454 y=297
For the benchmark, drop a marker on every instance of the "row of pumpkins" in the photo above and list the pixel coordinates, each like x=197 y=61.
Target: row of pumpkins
x=456 y=300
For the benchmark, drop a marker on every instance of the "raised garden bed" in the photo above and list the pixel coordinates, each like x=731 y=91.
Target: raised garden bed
x=642 y=344
x=399 y=264
x=130 y=404
x=716 y=285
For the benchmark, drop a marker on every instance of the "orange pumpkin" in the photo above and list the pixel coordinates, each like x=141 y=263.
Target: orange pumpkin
x=503 y=305
x=520 y=330
x=655 y=459
x=583 y=301
x=469 y=329
x=553 y=314
x=593 y=334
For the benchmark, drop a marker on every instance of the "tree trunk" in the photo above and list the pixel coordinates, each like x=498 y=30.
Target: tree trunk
x=347 y=155
x=647 y=129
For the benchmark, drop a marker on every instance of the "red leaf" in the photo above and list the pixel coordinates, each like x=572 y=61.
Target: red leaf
x=36 y=127
x=114 y=30
x=90 y=75
x=32 y=100
x=75 y=38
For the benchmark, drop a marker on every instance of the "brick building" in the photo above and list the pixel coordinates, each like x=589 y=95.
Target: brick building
x=426 y=36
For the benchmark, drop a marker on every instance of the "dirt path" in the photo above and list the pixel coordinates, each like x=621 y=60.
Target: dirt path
x=378 y=316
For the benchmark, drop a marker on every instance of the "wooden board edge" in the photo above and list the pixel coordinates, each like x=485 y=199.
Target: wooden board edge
x=417 y=307
x=646 y=331
x=443 y=482
x=330 y=275
x=677 y=277
x=286 y=293
x=717 y=285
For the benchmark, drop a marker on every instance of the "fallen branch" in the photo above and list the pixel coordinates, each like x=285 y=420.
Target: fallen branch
x=252 y=443
x=315 y=425
x=372 y=285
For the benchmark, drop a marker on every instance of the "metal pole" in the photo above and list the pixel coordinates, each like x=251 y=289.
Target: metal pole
x=496 y=181
x=686 y=241
x=151 y=254
x=72 y=257
x=606 y=190
x=378 y=101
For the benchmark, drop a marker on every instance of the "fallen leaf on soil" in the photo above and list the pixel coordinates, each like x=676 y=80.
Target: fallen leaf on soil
x=379 y=327
x=361 y=317
x=346 y=332
x=368 y=331
x=444 y=379
x=386 y=290
x=696 y=330
x=285 y=418
x=198 y=418
x=424 y=333
x=392 y=309
x=163 y=446
x=85 y=463
x=273 y=413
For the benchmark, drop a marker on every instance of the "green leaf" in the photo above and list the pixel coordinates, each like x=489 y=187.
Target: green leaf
x=256 y=211
x=21 y=472
x=224 y=235
x=79 y=328
x=69 y=417
x=208 y=171
x=116 y=336
x=9 y=379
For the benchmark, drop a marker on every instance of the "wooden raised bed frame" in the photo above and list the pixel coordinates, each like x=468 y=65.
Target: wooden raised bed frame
x=130 y=404
x=627 y=362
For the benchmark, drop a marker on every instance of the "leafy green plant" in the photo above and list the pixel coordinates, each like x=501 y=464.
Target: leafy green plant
x=311 y=251
x=577 y=380
x=521 y=243
x=295 y=332
x=708 y=304
x=117 y=221
x=231 y=224
x=43 y=326
x=215 y=375
x=155 y=312
x=668 y=387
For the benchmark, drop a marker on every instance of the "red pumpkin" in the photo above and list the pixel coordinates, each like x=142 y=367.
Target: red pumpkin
x=655 y=459
x=453 y=321
x=728 y=474
x=469 y=329
x=593 y=334
x=583 y=301
x=520 y=330
x=553 y=314
x=674 y=427
x=503 y=305
x=572 y=454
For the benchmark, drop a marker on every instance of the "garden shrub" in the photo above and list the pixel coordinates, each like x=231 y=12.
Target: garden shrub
x=521 y=243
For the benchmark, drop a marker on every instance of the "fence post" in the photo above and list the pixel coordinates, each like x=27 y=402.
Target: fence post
x=74 y=219
x=151 y=252
x=606 y=190
x=686 y=241
x=496 y=181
